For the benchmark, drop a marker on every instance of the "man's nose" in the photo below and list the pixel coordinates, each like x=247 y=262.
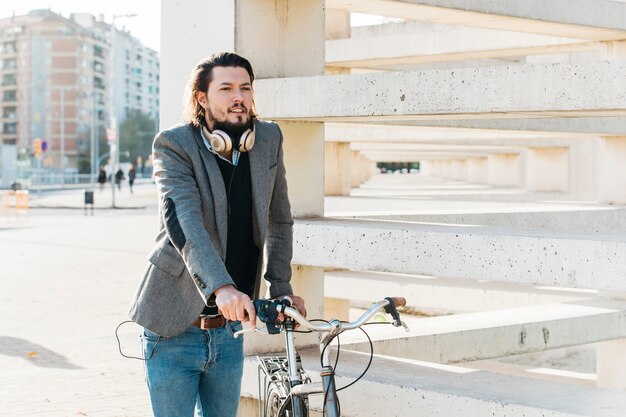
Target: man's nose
x=238 y=96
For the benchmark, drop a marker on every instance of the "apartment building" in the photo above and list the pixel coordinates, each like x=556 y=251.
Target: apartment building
x=56 y=81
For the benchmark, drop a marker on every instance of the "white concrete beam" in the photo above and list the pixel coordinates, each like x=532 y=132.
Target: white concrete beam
x=399 y=387
x=555 y=90
x=579 y=219
x=594 y=126
x=370 y=132
x=583 y=19
x=444 y=295
x=492 y=334
x=487 y=253
x=456 y=44
x=440 y=147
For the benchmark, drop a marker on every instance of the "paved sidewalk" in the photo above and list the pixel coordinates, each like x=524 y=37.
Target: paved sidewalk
x=145 y=194
x=65 y=283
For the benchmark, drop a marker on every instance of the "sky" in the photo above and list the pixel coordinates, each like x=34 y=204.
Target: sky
x=145 y=26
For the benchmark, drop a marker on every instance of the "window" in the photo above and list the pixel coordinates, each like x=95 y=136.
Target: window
x=9 y=79
x=9 y=112
x=98 y=82
x=9 y=128
x=9 y=63
x=8 y=47
x=98 y=51
x=9 y=95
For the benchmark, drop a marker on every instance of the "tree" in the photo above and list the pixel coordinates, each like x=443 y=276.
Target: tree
x=136 y=134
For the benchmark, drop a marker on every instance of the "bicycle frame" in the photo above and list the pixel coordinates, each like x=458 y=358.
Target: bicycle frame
x=294 y=392
x=298 y=389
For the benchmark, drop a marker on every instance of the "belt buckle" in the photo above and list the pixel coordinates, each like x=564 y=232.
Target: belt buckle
x=203 y=320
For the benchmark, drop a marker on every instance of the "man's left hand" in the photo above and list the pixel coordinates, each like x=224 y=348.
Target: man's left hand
x=296 y=302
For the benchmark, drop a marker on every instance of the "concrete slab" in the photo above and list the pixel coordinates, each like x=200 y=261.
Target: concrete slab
x=591 y=220
x=400 y=387
x=529 y=257
x=597 y=126
x=433 y=295
x=585 y=19
x=521 y=91
x=406 y=133
x=491 y=334
x=393 y=52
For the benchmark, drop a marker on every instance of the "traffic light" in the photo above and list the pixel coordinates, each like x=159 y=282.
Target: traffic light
x=37 y=148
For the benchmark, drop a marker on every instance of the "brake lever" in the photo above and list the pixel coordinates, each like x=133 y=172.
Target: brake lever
x=395 y=314
x=242 y=331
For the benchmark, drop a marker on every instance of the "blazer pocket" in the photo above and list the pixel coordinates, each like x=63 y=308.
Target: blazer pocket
x=167 y=259
x=273 y=165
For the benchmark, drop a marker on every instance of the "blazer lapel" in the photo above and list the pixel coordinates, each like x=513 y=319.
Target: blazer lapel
x=259 y=171
x=218 y=190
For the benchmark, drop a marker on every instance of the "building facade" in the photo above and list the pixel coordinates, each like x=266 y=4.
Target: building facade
x=56 y=79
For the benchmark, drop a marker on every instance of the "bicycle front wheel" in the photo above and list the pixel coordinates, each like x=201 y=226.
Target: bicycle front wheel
x=278 y=402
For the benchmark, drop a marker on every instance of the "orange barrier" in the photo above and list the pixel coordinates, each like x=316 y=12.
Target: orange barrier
x=22 y=200
x=15 y=200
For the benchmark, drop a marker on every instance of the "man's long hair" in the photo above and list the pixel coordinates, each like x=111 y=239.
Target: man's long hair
x=200 y=79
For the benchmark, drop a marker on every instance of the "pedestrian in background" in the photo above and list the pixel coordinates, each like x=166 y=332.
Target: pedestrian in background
x=102 y=178
x=131 y=177
x=119 y=176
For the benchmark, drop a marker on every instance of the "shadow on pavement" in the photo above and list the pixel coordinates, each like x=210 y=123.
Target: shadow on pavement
x=33 y=353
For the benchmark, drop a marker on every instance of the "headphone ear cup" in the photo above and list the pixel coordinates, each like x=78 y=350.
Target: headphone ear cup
x=220 y=141
x=246 y=142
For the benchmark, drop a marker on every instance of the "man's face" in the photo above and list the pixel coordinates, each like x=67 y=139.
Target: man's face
x=228 y=102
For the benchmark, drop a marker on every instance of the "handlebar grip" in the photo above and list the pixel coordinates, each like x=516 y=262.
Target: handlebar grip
x=398 y=301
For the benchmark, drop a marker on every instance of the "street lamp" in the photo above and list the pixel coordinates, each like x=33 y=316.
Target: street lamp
x=113 y=136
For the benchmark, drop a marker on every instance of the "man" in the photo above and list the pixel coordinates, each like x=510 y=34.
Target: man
x=223 y=197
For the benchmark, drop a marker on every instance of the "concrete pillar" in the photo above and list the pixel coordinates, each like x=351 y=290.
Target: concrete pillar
x=337 y=27
x=437 y=168
x=426 y=168
x=504 y=169
x=547 y=169
x=613 y=50
x=337 y=168
x=355 y=178
x=583 y=161
x=365 y=169
x=611 y=177
x=477 y=170
x=272 y=34
x=459 y=170
x=447 y=169
x=337 y=24
x=610 y=358
x=203 y=20
x=336 y=308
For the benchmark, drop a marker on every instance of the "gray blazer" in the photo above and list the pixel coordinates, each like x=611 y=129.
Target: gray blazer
x=187 y=263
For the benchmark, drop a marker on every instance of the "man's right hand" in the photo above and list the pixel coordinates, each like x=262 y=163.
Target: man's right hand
x=235 y=305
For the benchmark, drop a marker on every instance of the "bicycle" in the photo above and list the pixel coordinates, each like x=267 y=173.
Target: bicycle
x=286 y=384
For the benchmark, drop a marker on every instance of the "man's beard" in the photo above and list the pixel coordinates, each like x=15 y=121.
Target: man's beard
x=234 y=130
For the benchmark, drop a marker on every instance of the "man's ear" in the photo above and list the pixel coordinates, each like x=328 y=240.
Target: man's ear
x=201 y=98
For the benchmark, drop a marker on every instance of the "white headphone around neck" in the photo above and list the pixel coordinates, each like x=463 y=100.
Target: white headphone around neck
x=221 y=142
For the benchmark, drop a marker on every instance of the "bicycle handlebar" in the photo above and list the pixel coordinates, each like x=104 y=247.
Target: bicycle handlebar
x=335 y=326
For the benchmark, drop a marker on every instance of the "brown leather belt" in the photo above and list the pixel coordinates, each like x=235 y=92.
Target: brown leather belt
x=210 y=322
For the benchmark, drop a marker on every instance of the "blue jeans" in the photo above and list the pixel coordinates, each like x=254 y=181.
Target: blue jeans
x=198 y=369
